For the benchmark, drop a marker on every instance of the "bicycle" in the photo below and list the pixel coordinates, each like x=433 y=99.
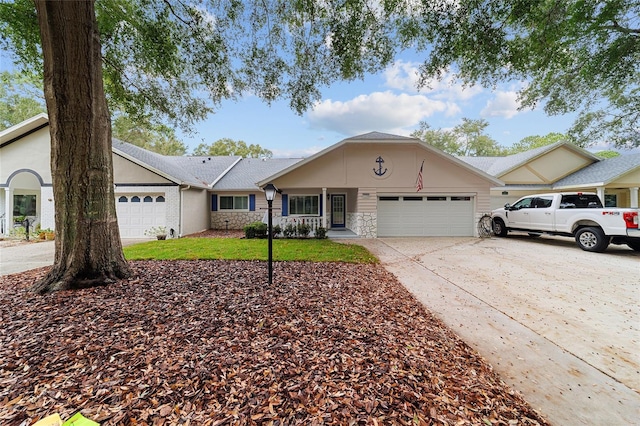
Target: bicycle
x=485 y=226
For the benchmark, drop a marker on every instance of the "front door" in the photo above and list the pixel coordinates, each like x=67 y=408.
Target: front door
x=338 y=210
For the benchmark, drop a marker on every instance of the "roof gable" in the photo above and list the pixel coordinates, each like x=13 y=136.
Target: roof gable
x=624 y=169
x=331 y=161
x=540 y=166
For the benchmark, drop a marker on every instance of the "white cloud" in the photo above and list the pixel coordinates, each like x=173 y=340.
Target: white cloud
x=297 y=153
x=380 y=111
x=504 y=104
x=404 y=76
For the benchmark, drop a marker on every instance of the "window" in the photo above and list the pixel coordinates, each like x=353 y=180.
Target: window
x=436 y=198
x=123 y=199
x=525 y=203
x=580 y=201
x=542 y=202
x=389 y=198
x=304 y=204
x=460 y=198
x=160 y=199
x=610 y=200
x=24 y=205
x=148 y=199
x=236 y=202
x=412 y=198
x=135 y=199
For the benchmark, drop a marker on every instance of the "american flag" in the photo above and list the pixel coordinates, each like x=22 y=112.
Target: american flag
x=419 y=180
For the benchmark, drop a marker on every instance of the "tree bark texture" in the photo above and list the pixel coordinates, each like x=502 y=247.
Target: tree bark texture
x=88 y=251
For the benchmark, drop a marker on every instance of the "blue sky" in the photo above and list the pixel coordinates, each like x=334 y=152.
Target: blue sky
x=387 y=102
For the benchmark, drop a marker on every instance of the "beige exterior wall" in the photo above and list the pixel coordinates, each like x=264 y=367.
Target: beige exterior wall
x=352 y=166
x=629 y=180
x=126 y=171
x=195 y=211
x=33 y=152
x=548 y=168
x=351 y=169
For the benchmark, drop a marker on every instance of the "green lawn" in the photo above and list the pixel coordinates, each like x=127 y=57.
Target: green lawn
x=311 y=250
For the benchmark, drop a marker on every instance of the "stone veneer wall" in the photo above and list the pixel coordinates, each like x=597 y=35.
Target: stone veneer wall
x=237 y=220
x=363 y=224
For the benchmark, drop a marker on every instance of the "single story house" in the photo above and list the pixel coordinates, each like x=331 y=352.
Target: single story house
x=562 y=167
x=375 y=185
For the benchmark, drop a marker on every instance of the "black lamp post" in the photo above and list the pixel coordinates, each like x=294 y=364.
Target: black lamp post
x=270 y=193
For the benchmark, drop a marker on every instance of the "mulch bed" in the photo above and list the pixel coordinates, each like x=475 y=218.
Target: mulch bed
x=210 y=343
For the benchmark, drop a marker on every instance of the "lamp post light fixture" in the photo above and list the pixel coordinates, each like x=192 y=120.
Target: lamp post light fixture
x=270 y=193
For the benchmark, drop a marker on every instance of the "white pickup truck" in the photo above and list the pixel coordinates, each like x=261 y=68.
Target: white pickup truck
x=579 y=215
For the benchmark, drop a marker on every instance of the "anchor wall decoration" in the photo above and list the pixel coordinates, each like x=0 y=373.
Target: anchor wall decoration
x=379 y=171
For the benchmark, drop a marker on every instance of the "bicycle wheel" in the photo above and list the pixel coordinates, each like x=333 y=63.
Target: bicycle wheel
x=485 y=226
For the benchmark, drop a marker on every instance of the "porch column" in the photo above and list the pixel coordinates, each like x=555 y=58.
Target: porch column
x=324 y=208
x=633 y=197
x=8 y=210
x=600 y=192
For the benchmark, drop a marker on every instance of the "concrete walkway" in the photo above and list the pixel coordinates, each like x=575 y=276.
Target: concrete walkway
x=561 y=384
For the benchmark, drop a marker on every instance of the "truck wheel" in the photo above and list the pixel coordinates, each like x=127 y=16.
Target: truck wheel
x=634 y=245
x=592 y=239
x=498 y=228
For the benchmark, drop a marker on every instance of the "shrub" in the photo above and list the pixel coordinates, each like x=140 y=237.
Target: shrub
x=155 y=231
x=289 y=230
x=277 y=230
x=321 y=232
x=303 y=230
x=255 y=230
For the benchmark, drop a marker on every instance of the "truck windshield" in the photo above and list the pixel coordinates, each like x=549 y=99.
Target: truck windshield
x=580 y=201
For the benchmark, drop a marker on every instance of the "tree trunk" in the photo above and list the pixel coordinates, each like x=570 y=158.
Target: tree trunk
x=88 y=251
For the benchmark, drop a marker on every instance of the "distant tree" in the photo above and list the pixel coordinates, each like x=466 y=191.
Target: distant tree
x=531 y=142
x=227 y=146
x=607 y=154
x=19 y=99
x=154 y=137
x=473 y=141
x=465 y=139
x=441 y=139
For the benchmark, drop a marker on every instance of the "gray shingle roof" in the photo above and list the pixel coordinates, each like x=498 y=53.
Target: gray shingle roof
x=249 y=171
x=197 y=171
x=604 y=171
x=497 y=166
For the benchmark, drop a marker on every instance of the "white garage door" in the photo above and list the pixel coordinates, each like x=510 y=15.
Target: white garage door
x=139 y=212
x=425 y=216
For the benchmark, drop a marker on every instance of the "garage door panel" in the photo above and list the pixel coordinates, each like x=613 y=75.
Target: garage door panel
x=425 y=216
x=136 y=217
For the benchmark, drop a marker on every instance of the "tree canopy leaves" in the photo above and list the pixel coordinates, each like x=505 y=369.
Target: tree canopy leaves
x=465 y=139
x=227 y=146
x=575 y=55
x=18 y=100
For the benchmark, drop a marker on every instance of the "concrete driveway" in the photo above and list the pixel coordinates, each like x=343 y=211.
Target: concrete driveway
x=559 y=324
x=19 y=256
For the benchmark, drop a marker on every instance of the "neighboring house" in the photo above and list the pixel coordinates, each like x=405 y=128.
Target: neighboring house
x=367 y=184
x=562 y=167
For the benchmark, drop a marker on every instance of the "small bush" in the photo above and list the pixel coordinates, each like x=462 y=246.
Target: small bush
x=277 y=230
x=303 y=230
x=255 y=230
x=321 y=232
x=289 y=231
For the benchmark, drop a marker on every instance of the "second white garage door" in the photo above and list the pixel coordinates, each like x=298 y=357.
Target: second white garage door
x=139 y=212
x=425 y=216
